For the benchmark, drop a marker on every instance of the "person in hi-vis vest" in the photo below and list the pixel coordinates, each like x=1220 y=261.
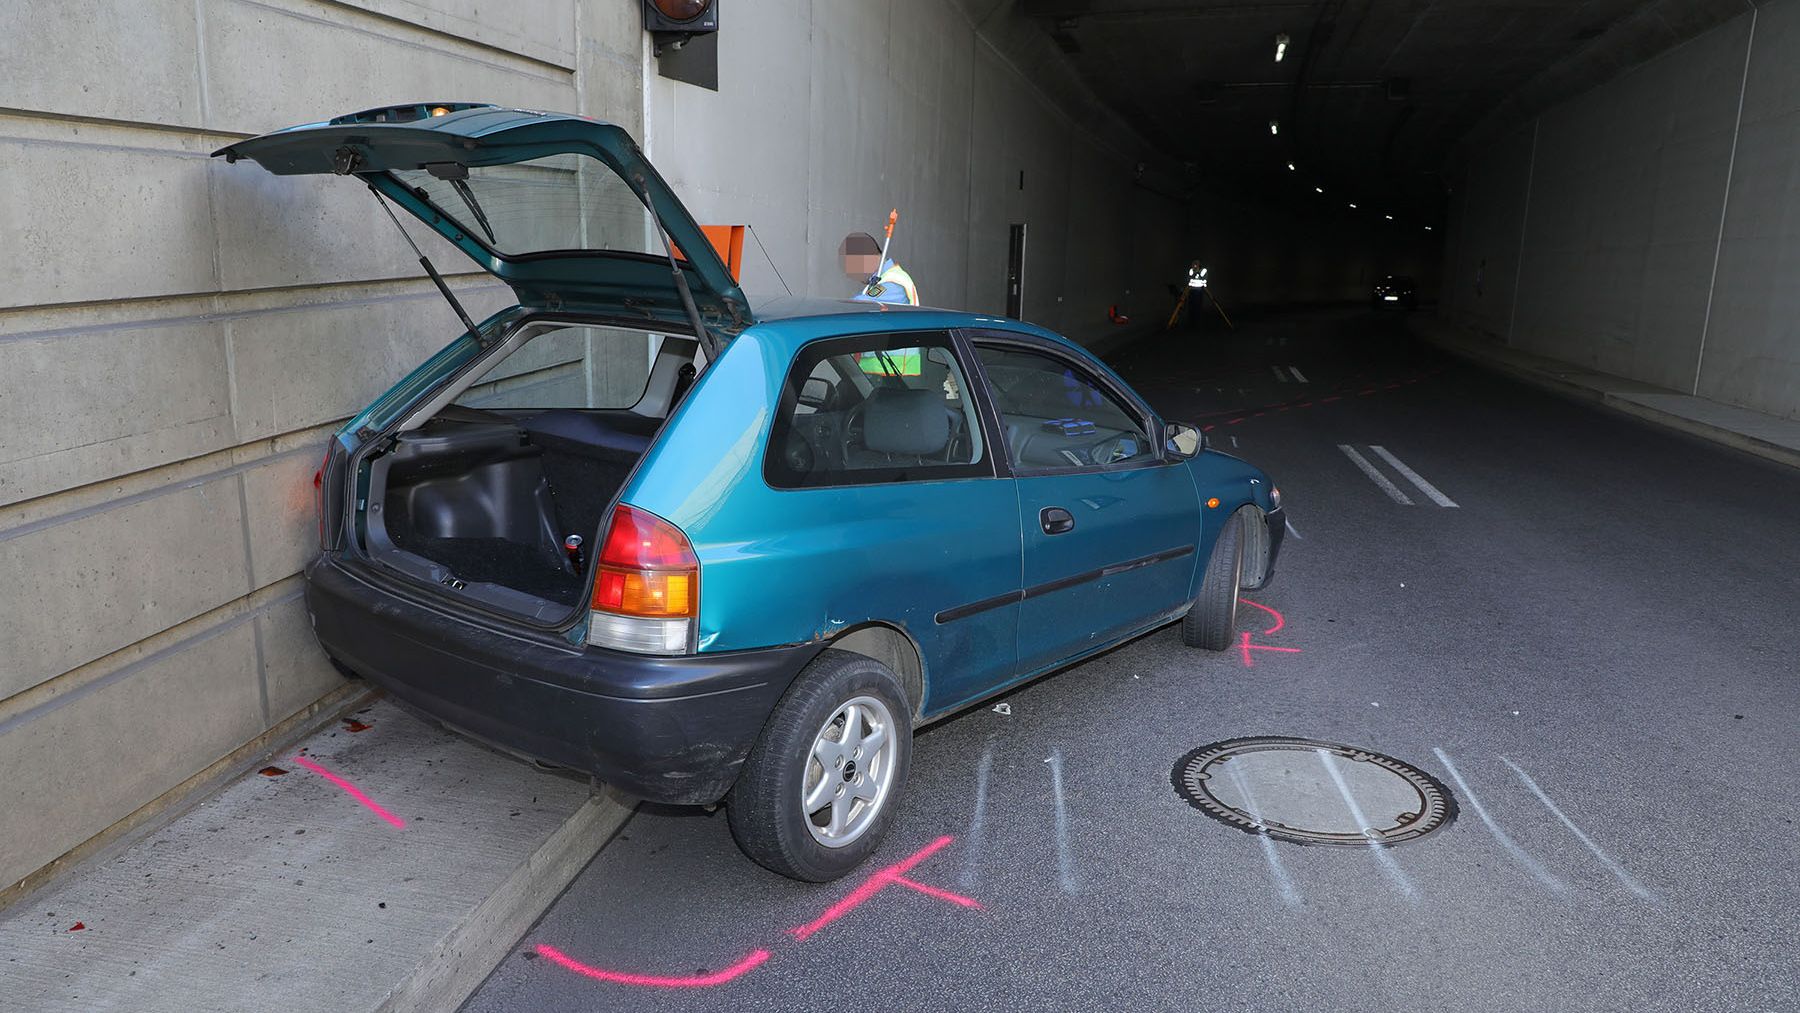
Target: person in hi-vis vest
x=881 y=280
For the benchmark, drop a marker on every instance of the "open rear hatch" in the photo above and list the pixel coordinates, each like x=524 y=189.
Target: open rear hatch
x=565 y=209
x=490 y=483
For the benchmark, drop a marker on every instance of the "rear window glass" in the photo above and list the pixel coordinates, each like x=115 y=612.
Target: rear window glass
x=556 y=203
x=568 y=366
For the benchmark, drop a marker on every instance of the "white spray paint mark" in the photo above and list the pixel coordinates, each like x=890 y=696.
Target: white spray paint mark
x=1065 y=863
x=1412 y=476
x=1291 y=531
x=1234 y=441
x=1512 y=847
x=1375 y=476
x=977 y=822
x=1618 y=870
x=1382 y=858
x=1283 y=885
x=1298 y=375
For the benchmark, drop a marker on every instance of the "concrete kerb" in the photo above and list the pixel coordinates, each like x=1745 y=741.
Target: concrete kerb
x=464 y=958
x=264 y=890
x=1616 y=393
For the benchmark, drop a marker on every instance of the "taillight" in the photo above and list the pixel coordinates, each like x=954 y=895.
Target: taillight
x=647 y=590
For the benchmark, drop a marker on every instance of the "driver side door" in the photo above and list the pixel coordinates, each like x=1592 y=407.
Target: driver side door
x=1110 y=525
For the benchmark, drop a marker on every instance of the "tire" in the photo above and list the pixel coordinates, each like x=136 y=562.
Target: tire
x=1212 y=619
x=788 y=768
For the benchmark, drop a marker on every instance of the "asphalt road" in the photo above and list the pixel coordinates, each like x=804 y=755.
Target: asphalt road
x=1602 y=638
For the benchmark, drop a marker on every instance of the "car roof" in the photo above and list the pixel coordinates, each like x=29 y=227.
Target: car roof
x=801 y=318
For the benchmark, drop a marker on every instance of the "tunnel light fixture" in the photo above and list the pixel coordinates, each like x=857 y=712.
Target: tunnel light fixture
x=1274 y=126
x=1281 y=44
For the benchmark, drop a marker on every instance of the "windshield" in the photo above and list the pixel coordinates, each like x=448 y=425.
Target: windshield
x=558 y=203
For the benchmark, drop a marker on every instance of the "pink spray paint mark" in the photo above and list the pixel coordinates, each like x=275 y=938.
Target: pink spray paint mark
x=351 y=790
x=893 y=875
x=1245 y=646
x=1279 y=620
x=752 y=960
x=869 y=888
x=932 y=891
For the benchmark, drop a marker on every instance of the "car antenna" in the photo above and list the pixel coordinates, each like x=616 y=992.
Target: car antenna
x=436 y=278
x=681 y=286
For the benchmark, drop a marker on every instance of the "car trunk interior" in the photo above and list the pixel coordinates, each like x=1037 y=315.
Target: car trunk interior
x=481 y=499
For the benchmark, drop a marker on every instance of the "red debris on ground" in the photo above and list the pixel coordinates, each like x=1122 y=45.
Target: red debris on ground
x=353 y=725
x=77 y=927
x=272 y=771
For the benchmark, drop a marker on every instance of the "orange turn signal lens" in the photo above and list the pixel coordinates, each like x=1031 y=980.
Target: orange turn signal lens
x=1213 y=504
x=652 y=594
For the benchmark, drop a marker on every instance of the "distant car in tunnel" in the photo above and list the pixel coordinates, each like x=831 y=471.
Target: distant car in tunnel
x=631 y=527
x=1395 y=291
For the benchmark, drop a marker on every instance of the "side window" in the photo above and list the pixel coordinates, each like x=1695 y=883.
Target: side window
x=1055 y=416
x=875 y=408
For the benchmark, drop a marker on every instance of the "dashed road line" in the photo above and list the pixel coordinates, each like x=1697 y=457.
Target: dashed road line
x=1412 y=476
x=1284 y=885
x=1298 y=376
x=1380 y=480
x=1279 y=375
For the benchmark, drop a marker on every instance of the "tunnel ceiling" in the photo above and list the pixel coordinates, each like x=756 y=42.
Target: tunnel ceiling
x=1371 y=96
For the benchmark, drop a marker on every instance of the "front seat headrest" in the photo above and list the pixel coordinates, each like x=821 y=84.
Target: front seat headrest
x=900 y=421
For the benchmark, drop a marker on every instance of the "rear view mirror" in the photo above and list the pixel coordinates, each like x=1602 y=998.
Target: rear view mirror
x=1182 y=439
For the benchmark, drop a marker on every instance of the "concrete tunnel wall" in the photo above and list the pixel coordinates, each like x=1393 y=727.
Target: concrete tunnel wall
x=911 y=107
x=179 y=336
x=1650 y=228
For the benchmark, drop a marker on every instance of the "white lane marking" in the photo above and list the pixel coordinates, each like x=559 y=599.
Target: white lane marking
x=1065 y=864
x=1375 y=476
x=1386 y=861
x=1283 y=885
x=978 y=822
x=1279 y=375
x=1298 y=375
x=1412 y=476
x=1234 y=441
x=1290 y=527
x=1618 y=870
x=1512 y=847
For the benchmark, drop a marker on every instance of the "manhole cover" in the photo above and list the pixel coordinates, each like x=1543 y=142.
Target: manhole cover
x=1312 y=792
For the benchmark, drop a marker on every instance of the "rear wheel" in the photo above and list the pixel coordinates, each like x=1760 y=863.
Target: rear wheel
x=1212 y=619
x=819 y=789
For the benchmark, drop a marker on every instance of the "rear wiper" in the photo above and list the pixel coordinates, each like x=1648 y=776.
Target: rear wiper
x=461 y=186
x=436 y=278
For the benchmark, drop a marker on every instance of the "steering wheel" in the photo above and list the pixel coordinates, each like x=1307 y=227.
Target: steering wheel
x=1116 y=448
x=853 y=428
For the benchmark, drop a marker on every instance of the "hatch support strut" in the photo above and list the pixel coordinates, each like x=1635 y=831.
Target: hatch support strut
x=436 y=278
x=681 y=286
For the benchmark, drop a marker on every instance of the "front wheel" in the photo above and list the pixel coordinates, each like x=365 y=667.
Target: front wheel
x=819 y=789
x=1212 y=619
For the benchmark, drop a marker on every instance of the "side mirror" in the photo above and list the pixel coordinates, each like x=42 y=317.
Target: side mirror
x=1183 y=440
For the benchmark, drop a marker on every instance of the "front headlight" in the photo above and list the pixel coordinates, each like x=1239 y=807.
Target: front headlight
x=1274 y=497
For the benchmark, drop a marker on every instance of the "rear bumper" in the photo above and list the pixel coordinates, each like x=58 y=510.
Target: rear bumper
x=674 y=730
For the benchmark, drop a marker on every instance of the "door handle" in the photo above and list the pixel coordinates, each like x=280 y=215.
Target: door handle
x=1056 y=520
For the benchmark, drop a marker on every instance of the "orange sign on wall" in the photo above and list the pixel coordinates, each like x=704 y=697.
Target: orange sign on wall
x=729 y=241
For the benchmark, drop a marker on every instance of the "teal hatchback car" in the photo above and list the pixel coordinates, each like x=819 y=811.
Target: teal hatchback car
x=633 y=527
